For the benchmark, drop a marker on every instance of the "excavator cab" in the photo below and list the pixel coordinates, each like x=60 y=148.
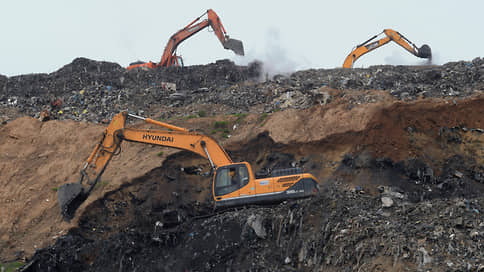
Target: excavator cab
x=176 y=61
x=179 y=61
x=230 y=178
x=234 y=184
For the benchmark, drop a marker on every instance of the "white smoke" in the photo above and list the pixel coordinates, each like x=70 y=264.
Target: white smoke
x=402 y=58
x=274 y=57
x=436 y=59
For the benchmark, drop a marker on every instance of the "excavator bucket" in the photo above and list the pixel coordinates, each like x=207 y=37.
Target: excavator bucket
x=424 y=52
x=70 y=197
x=235 y=45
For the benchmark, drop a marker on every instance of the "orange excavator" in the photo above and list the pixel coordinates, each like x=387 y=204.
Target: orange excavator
x=391 y=35
x=233 y=184
x=170 y=58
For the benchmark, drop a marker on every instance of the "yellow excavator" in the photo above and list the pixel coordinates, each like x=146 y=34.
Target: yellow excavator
x=233 y=184
x=390 y=35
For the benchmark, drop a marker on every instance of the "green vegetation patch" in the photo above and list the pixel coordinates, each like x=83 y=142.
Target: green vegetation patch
x=220 y=124
x=202 y=113
x=240 y=117
x=10 y=267
x=101 y=184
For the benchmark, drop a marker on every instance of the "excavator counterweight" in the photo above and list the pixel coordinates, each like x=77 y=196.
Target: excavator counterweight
x=233 y=183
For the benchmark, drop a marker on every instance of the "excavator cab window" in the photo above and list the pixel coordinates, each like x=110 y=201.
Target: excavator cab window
x=230 y=178
x=179 y=61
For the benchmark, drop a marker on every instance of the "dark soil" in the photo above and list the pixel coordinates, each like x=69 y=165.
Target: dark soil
x=401 y=193
x=158 y=222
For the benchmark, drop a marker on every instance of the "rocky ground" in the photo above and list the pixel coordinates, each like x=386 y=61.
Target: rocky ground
x=398 y=151
x=95 y=91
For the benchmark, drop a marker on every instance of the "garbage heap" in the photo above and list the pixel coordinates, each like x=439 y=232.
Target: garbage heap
x=344 y=230
x=94 y=91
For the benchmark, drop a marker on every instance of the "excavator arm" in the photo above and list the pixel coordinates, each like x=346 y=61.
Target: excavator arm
x=218 y=28
x=72 y=195
x=390 y=35
x=169 y=57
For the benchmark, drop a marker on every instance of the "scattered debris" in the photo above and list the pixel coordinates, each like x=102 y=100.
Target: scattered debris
x=103 y=89
x=416 y=213
x=387 y=202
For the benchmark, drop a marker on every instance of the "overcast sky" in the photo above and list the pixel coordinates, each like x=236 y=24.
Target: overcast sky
x=43 y=36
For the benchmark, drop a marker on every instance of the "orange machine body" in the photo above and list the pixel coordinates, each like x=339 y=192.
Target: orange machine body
x=233 y=183
x=390 y=35
x=246 y=189
x=170 y=58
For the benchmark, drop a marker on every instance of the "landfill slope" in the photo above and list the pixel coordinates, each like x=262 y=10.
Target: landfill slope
x=398 y=156
x=36 y=158
x=385 y=211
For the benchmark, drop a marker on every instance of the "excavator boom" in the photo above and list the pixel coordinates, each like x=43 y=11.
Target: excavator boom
x=390 y=35
x=71 y=196
x=233 y=184
x=169 y=57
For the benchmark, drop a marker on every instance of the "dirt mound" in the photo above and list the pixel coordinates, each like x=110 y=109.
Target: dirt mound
x=36 y=158
x=417 y=154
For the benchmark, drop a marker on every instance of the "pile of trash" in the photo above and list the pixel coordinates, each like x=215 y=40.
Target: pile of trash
x=94 y=90
x=417 y=214
x=418 y=220
x=339 y=229
x=456 y=79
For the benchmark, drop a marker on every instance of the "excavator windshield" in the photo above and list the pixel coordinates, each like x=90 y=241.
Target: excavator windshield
x=230 y=178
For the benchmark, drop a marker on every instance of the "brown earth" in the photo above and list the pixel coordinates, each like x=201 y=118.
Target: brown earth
x=37 y=157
